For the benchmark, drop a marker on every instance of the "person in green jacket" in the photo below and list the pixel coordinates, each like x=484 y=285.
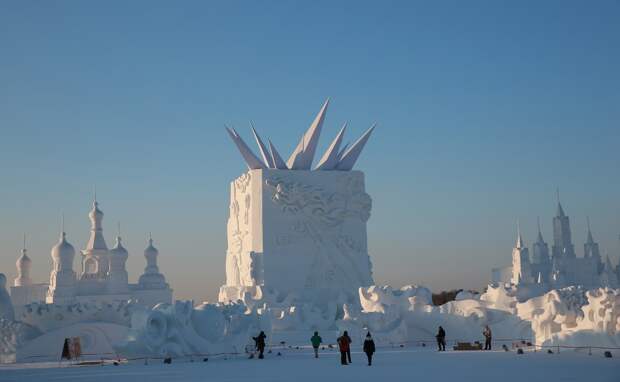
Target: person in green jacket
x=316 y=342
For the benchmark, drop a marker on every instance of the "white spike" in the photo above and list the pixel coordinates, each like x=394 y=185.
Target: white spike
x=276 y=159
x=250 y=159
x=343 y=150
x=263 y=150
x=350 y=156
x=302 y=156
x=330 y=158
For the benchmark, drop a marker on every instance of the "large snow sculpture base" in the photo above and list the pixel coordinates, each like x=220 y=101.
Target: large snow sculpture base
x=300 y=233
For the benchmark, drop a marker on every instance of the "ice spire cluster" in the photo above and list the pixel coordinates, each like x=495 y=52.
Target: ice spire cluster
x=334 y=159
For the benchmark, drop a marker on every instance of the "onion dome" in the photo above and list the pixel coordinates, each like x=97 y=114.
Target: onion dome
x=151 y=253
x=95 y=214
x=23 y=265
x=151 y=278
x=118 y=250
x=23 y=261
x=150 y=249
x=63 y=253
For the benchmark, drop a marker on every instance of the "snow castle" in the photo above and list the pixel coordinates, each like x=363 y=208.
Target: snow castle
x=543 y=271
x=295 y=232
x=102 y=277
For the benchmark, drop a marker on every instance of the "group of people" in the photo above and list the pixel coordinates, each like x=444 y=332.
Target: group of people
x=441 y=338
x=344 y=344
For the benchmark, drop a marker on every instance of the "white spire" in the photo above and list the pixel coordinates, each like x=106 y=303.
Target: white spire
x=330 y=158
x=276 y=159
x=343 y=150
x=350 y=156
x=560 y=210
x=519 y=238
x=118 y=246
x=590 y=239
x=539 y=239
x=250 y=159
x=96 y=240
x=261 y=146
x=302 y=156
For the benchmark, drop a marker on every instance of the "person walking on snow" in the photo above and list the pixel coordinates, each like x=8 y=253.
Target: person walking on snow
x=346 y=336
x=369 y=348
x=441 y=339
x=260 y=344
x=316 y=342
x=487 y=337
x=343 y=346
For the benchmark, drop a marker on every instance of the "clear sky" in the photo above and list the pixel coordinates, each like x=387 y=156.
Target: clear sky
x=483 y=109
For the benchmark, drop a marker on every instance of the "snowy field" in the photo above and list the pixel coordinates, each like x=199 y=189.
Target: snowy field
x=299 y=366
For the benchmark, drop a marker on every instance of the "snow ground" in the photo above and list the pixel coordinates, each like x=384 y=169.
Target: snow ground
x=300 y=366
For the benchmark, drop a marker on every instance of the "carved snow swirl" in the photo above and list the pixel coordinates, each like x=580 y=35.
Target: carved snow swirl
x=319 y=213
x=329 y=209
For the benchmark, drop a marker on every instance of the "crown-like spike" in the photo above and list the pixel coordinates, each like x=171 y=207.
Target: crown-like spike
x=350 y=156
x=330 y=158
x=302 y=156
x=250 y=159
x=261 y=147
x=276 y=159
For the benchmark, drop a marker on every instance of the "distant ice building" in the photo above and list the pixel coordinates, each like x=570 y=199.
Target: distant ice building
x=298 y=232
x=102 y=277
x=560 y=268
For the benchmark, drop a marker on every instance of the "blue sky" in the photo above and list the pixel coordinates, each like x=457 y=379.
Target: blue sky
x=483 y=109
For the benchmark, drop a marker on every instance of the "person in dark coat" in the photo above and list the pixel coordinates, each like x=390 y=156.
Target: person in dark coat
x=316 y=342
x=260 y=344
x=343 y=346
x=66 y=349
x=487 y=337
x=441 y=339
x=346 y=336
x=369 y=348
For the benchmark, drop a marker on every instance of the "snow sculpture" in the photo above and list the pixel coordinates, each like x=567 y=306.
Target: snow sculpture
x=595 y=323
x=41 y=327
x=602 y=313
x=6 y=306
x=540 y=273
x=180 y=329
x=500 y=296
x=467 y=295
x=553 y=312
x=13 y=335
x=298 y=232
x=47 y=317
x=396 y=316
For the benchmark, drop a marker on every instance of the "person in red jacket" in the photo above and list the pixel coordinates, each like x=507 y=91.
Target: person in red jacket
x=343 y=344
x=346 y=336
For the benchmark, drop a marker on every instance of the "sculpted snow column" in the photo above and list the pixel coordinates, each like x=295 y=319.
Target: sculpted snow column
x=299 y=231
x=296 y=232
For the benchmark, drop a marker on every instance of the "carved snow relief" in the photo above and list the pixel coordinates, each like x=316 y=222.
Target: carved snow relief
x=301 y=232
